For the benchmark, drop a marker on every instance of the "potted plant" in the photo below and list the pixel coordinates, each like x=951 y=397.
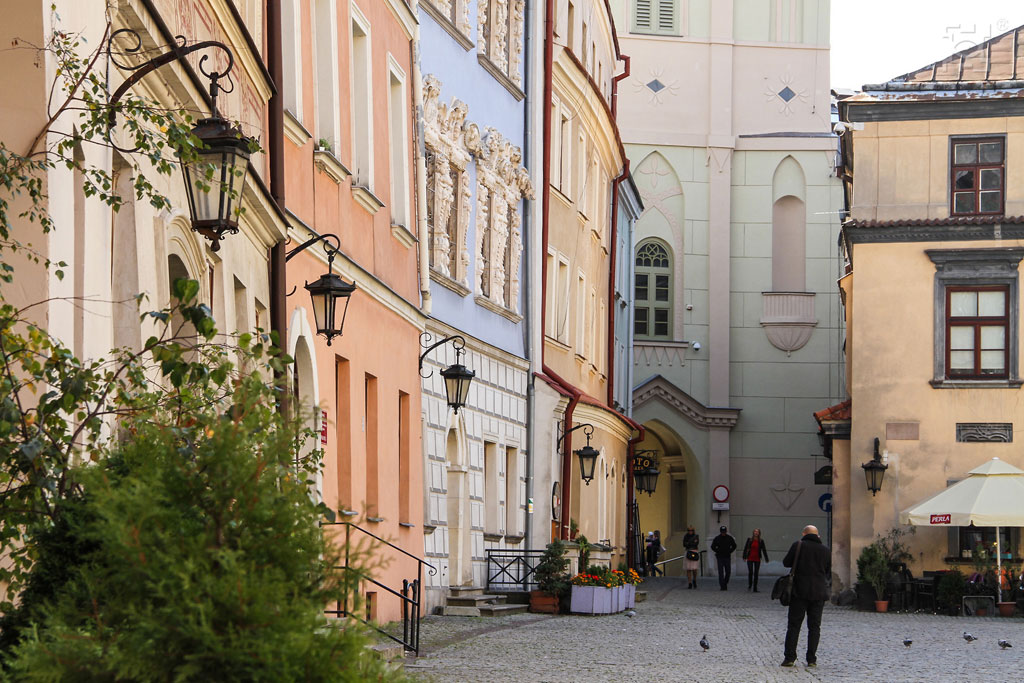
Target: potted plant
x=574 y=529
x=552 y=579
x=873 y=570
x=950 y=591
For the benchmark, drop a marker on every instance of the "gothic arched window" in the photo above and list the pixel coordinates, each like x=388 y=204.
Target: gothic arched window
x=652 y=291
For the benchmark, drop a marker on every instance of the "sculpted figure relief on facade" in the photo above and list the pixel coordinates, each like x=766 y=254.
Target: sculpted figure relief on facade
x=502 y=183
x=447 y=182
x=500 y=35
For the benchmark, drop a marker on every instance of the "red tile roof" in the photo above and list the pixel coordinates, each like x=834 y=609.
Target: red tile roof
x=951 y=220
x=840 y=411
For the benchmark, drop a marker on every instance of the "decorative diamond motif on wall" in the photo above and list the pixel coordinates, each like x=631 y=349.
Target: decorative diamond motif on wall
x=656 y=85
x=786 y=94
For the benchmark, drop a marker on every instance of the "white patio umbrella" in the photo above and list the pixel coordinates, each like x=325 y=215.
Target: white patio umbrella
x=991 y=496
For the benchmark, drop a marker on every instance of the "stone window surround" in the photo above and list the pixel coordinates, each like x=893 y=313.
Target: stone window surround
x=498 y=48
x=973 y=267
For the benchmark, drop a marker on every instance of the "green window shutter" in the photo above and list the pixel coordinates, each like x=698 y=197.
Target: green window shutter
x=666 y=16
x=642 y=15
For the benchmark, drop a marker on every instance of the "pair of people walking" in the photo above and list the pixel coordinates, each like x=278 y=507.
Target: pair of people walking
x=754 y=550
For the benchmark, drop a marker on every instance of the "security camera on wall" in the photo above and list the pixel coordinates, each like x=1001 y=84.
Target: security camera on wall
x=696 y=346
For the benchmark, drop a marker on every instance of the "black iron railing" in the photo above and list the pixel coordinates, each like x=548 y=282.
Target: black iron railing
x=512 y=570
x=410 y=593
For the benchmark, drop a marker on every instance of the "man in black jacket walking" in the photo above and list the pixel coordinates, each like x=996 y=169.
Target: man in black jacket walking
x=723 y=547
x=810 y=591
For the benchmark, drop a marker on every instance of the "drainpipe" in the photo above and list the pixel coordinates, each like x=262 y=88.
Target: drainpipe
x=422 y=230
x=613 y=253
x=275 y=140
x=575 y=395
x=531 y=397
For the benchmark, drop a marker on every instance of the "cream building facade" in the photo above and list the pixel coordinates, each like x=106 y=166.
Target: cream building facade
x=933 y=161
x=737 y=324
x=115 y=256
x=586 y=166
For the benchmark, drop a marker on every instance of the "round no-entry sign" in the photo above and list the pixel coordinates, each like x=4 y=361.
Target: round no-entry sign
x=720 y=493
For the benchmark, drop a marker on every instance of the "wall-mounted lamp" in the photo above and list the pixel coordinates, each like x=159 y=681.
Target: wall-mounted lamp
x=329 y=291
x=645 y=471
x=874 y=471
x=457 y=377
x=587 y=455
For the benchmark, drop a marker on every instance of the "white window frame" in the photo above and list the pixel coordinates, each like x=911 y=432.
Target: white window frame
x=291 y=14
x=362 y=102
x=328 y=119
x=399 y=143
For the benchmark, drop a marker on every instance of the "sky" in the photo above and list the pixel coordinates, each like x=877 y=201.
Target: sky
x=874 y=41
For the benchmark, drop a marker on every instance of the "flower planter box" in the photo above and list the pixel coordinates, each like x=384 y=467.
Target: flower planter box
x=591 y=600
x=630 y=591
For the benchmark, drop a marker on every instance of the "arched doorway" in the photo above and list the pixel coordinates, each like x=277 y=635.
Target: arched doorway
x=675 y=502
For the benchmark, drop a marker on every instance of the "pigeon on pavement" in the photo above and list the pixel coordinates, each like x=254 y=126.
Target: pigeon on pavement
x=907 y=642
x=705 y=644
x=631 y=613
x=1004 y=644
x=968 y=637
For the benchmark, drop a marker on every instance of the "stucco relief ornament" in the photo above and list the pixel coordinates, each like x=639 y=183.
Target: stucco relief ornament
x=481 y=26
x=656 y=85
x=444 y=128
x=518 y=17
x=785 y=94
x=787 y=494
x=652 y=173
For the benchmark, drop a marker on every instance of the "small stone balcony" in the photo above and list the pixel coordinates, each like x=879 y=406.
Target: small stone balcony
x=788 y=319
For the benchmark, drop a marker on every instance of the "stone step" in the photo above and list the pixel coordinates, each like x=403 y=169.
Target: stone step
x=459 y=591
x=459 y=611
x=474 y=600
x=502 y=610
x=641 y=596
x=388 y=651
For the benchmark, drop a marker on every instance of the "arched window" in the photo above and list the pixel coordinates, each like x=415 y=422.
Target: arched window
x=652 y=291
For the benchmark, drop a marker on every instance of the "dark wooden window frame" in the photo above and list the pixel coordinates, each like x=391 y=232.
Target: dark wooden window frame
x=977 y=167
x=977 y=322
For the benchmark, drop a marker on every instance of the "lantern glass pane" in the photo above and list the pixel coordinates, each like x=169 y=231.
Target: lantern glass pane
x=320 y=310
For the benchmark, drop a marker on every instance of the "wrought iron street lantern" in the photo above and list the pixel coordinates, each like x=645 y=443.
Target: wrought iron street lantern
x=329 y=293
x=215 y=177
x=646 y=480
x=645 y=471
x=457 y=377
x=588 y=461
x=874 y=471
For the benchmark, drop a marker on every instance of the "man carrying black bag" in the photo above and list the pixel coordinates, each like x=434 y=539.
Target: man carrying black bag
x=811 y=575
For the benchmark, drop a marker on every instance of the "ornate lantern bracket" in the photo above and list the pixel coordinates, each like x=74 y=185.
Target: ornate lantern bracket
x=457 y=377
x=326 y=291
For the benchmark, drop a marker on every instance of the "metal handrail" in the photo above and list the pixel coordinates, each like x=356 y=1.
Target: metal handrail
x=433 y=569
x=410 y=594
x=683 y=557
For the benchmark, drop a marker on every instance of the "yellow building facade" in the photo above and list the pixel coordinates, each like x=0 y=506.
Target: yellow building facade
x=932 y=164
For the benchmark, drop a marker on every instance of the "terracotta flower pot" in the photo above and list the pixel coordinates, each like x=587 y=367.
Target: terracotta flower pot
x=1006 y=608
x=881 y=605
x=543 y=602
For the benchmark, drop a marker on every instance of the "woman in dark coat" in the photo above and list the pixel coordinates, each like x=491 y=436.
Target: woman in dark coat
x=753 y=551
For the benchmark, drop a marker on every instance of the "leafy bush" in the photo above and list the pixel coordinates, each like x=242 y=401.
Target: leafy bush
x=873 y=569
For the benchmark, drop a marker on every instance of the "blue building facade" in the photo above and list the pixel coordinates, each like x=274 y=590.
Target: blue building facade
x=476 y=199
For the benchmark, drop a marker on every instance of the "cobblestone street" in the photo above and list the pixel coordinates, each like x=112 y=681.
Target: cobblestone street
x=745 y=630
